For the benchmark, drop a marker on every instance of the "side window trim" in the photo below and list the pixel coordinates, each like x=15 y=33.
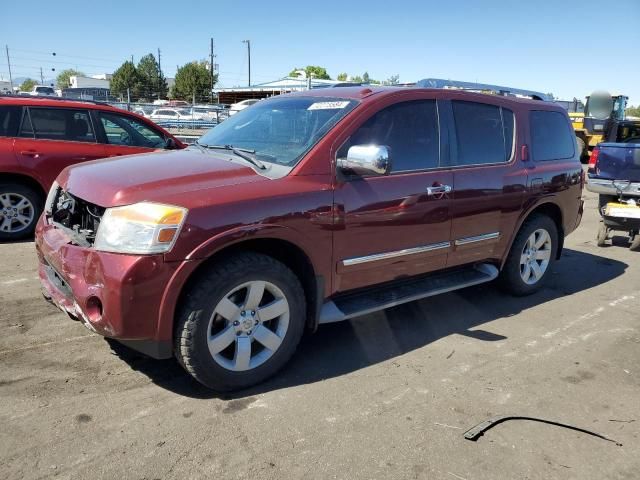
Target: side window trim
x=27 y=115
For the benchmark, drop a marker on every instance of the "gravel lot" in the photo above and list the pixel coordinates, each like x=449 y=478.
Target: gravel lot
x=384 y=396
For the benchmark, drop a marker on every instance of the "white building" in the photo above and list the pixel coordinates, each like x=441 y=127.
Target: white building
x=76 y=81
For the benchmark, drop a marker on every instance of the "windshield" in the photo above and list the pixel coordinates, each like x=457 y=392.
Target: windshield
x=280 y=130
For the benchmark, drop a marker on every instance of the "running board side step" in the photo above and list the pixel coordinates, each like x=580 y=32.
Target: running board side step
x=378 y=298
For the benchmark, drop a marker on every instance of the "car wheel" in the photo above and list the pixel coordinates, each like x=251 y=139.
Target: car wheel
x=20 y=207
x=603 y=234
x=240 y=322
x=531 y=256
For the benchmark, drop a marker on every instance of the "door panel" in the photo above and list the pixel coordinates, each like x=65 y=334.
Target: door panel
x=397 y=225
x=489 y=181
x=394 y=222
x=51 y=139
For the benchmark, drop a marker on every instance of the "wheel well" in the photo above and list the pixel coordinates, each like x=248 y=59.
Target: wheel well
x=283 y=251
x=552 y=211
x=23 y=180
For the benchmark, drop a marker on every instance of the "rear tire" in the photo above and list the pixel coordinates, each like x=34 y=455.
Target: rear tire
x=20 y=208
x=230 y=336
x=531 y=257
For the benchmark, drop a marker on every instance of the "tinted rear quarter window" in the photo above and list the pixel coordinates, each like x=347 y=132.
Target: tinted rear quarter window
x=9 y=120
x=484 y=133
x=552 y=137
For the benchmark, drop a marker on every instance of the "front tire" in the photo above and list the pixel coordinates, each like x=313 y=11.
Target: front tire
x=20 y=208
x=240 y=322
x=531 y=256
x=603 y=234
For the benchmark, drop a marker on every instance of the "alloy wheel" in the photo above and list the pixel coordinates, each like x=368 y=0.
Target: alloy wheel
x=248 y=325
x=535 y=256
x=16 y=212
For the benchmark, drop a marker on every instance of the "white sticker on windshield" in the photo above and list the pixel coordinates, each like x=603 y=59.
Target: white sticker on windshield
x=327 y=105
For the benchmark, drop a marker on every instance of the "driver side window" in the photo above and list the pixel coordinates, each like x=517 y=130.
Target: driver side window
x=408 y=129
x=127 y=131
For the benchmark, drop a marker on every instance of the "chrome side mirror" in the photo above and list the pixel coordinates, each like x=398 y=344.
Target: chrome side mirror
x=366 y=160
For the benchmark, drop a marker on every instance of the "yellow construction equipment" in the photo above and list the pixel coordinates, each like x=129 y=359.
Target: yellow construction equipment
x=603 y=113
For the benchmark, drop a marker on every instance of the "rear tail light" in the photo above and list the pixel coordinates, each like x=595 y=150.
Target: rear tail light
x=593 y=159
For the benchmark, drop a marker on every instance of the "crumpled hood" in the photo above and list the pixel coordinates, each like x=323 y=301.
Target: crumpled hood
x=153 y=176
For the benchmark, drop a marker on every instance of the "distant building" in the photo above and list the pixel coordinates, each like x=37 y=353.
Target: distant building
x=77 y=81
x=88 y=93
x=277 y=87
x=5 y=86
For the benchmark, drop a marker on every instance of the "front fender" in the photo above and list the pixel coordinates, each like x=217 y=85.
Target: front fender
x=209 y=248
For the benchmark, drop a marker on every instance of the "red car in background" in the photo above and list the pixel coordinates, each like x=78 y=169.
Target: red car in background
x=39 y=137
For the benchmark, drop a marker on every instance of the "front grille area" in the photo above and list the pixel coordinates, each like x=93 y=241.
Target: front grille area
x=79 y=217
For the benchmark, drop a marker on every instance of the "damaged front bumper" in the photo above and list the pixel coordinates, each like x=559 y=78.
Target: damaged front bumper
x=114 y=295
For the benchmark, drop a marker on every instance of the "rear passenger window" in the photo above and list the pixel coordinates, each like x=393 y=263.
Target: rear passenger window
x=552 y=137
x=409 y=129
x=484 y=133
x=62 y=124
x=9 y=120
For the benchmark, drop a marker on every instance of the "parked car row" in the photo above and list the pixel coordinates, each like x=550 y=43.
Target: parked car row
x=301 y=210
x=40 y=136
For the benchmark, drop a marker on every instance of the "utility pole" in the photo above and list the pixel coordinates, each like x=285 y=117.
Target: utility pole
x=41 y=77
x=9 y=65
x=159 y=75
x=248 y=42
x=212 y=66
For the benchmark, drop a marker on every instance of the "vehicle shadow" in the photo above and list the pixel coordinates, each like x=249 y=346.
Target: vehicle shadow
x=342 y=348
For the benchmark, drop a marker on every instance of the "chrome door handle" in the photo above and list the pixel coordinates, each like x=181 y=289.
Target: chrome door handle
x=439 y=189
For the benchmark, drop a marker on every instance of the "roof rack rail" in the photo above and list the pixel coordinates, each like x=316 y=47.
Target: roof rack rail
x=51 y=97
x=482 y=88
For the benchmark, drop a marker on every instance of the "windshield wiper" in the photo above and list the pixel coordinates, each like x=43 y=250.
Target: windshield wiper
x=238 y=152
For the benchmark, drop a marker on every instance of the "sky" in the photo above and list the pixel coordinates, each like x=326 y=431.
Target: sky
x=567 y=48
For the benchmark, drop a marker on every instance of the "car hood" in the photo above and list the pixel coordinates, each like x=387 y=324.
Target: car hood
x=157 y=176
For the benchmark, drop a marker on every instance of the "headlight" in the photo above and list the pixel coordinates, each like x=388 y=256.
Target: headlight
x=140 y=228
x=48 y=204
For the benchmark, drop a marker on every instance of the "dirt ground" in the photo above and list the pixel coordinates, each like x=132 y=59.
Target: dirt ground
x=384 y=396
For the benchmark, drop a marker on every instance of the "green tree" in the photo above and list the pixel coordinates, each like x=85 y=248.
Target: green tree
x=62 y=80
x=152 y=83
x=28 y=85
x=357 y=79
x=313 y=71
x=365 y=77
x=193 y=81
x=633 y=111
x=392 y=80
x=125 y=77
x=342 y=77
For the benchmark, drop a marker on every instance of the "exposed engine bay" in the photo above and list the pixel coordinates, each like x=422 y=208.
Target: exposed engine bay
x=79 y=218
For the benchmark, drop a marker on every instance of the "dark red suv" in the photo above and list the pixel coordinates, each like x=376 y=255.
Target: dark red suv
x=40 y=136
x=306 y=209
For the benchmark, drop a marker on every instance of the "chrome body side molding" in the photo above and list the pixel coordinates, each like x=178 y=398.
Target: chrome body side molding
x=398 y=253
x=477 y=238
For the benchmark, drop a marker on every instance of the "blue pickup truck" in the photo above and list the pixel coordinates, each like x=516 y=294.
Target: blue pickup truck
x=614 y=173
